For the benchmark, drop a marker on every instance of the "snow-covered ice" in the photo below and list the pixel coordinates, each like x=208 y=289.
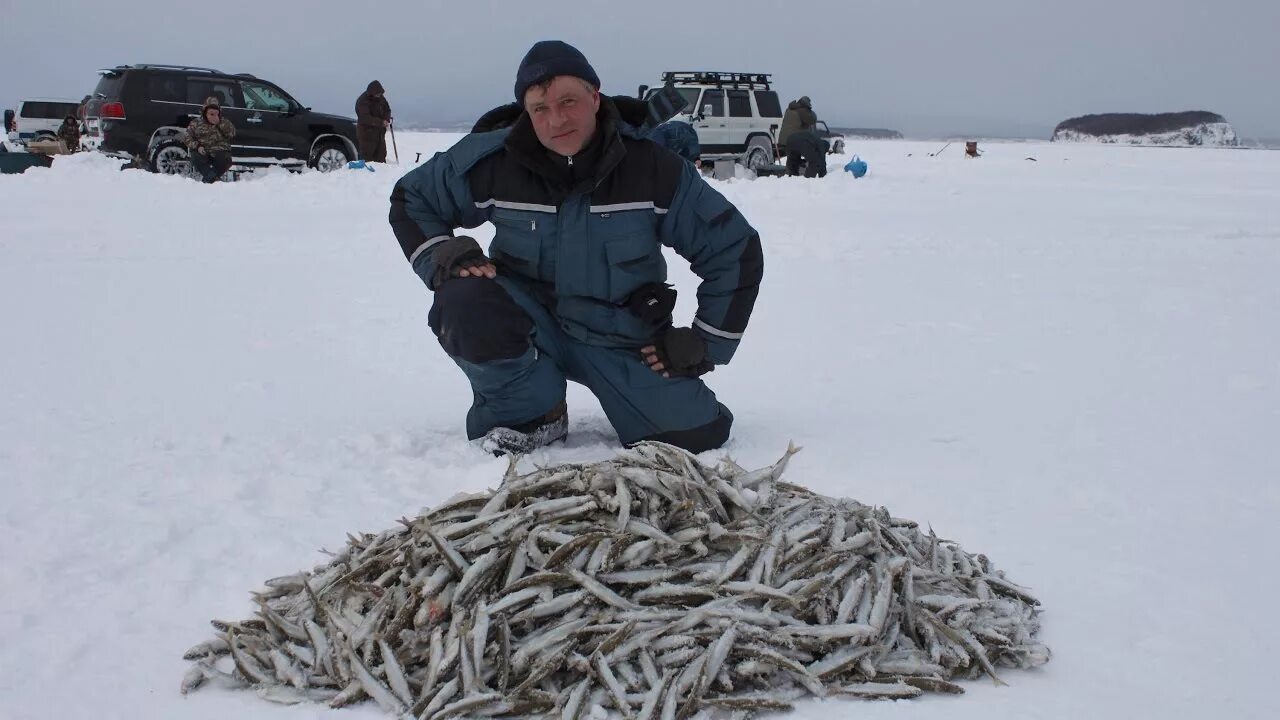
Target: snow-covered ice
x=1071 y=365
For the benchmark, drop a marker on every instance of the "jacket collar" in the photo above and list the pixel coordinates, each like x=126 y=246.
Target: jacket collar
x=601 y=155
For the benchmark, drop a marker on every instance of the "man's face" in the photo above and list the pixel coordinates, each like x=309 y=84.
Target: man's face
x=213 y=115
x=564 y=115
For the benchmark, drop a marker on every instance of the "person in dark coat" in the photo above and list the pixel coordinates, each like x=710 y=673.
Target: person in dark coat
x=808 y=151
x=799 y=116
x=573 y=286
x=69 y=133
x=373 y=117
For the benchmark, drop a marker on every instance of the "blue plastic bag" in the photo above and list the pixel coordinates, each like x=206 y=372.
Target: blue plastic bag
x=857 y=166
x=359 y=165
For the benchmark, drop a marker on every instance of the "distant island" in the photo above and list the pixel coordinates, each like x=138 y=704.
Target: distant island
x=869 y=133
x=1196 y=128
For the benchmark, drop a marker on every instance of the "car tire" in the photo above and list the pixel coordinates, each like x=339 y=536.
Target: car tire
x=759 y=153
x=171 y=158
x=330 y=155
x=837 y=147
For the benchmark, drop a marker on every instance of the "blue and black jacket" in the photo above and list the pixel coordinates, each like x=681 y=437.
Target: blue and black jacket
x=584 y=233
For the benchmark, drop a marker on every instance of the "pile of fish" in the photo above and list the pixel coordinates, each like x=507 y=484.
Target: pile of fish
x=648 y=585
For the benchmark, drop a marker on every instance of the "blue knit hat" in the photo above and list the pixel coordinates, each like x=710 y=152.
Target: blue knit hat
x=549 y=58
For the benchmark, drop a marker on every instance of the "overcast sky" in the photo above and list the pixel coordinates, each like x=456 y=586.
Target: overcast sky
x=927 y=68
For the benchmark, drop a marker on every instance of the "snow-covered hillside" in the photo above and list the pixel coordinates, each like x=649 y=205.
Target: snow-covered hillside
x=1071 y=365
x=1201 y=135
x=1193 y=128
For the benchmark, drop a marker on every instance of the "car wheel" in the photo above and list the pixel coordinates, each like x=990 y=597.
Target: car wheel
x=837 y=147
x=330 y=156
x=759 y=154
x=171 y=158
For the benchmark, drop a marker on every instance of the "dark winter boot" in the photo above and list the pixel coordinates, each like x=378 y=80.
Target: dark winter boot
x=527 y=437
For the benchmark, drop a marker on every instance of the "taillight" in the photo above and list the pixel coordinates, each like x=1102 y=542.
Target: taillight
x=112 y=110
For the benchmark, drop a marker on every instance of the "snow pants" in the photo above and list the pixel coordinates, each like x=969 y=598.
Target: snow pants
x=518 y=359
x=212 y=166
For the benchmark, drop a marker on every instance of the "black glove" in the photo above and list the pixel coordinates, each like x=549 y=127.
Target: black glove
x=652 y=302
x=682 y=352
x=455 y=254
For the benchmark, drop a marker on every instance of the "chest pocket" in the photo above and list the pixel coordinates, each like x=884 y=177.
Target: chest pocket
x=627 y=253
x=522 y=242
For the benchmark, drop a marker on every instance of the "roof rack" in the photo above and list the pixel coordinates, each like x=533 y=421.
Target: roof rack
x=153 y=66
x=750 y=81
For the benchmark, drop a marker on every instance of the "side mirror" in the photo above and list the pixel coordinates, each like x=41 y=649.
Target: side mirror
x=640 y=93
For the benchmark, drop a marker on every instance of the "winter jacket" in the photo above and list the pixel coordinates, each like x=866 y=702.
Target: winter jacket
x=372 y=109
x=585 y=233
x=213 y=138
x=799 y=116
x=69 y=133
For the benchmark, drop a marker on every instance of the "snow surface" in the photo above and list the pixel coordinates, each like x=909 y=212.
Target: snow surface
x=1071 y=365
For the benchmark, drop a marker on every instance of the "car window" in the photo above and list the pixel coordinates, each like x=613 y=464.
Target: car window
x=227 y=91
x=739 y=103
x=767 y=103
x=822 y=125
x=42 y=110
x=167 y=88
x=690 y=98
x=110 y=85
x=264 y=97
x=714 y=98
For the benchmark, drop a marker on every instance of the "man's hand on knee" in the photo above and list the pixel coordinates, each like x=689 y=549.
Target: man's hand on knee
x=461 y=257
x=680 y=352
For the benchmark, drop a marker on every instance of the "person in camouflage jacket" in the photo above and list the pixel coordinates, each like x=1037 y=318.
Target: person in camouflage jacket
x=69 y=133
x=208 y=139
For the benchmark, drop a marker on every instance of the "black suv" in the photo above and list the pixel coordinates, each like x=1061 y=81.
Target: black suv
x=140 y=111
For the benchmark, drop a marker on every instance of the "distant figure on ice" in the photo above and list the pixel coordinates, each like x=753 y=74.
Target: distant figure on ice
x=69 y=133
x=799 y=116
x=208 y=141
x=808 y=152
x=574 y=284
x=373 y=117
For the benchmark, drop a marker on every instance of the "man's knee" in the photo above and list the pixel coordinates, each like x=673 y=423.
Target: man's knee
x=708 y=436
x=476 y=320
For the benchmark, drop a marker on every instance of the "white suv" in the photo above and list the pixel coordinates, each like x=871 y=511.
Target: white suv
x=40 y=118
x=736 y=115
